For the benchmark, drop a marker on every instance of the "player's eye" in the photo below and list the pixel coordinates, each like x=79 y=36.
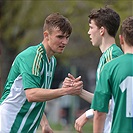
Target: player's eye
x=60 y=37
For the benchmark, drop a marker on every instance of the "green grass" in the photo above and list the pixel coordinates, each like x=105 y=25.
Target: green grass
x=88 y=128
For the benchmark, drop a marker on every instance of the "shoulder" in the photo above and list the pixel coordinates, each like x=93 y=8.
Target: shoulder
x=112 y=52
x=32 y=50
x=28 y=51
x=116 y=51
x=114 y=62
x=27 y=55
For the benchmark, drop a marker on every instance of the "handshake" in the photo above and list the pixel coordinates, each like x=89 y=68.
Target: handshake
x=73 y=85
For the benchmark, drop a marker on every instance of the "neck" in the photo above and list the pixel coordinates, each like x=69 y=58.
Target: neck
x=48 y=51
x=106 y=43
x=128 y=49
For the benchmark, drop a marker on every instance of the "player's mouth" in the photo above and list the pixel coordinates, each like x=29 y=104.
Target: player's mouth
x=62 y=47
x=90 y=39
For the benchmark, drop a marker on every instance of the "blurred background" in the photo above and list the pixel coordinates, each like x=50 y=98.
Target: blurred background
x=21 y=23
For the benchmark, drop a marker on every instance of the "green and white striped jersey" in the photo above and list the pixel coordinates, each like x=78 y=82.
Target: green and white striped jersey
x=112 y=52
x=116 y=79
x=30 y=69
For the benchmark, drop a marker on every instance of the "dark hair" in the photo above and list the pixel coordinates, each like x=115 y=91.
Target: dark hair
x=126 y=30
x=107 y=18
x=57 y=20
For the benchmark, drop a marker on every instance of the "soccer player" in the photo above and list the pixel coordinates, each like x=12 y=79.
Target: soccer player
x=103 y=24
x=27 y=87
x=116 y=79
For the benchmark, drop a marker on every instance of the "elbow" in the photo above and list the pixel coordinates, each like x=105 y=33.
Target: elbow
x=32 y=95
x=99 y=115
x=30 y=98
x=29 y=95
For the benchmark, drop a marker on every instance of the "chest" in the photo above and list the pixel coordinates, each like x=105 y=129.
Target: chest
x=47 y=74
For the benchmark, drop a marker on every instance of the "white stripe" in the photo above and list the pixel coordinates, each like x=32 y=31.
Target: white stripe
x=36 y=117
x=33 y=71
x=51 y=72
x=110 y=53
x=46 y=76
x=25 y=117
x=38 y=62
x=9 y=109
x=42 y=85
x=35 y=64
x=35 y=130
x=49 y=77
x=41 y=73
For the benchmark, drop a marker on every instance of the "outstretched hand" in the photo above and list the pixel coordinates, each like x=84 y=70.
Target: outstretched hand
x=75 y=85
x=70 y=80
x=80 y=122
x=47 y=129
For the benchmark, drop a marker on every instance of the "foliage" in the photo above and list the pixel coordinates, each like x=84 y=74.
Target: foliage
x=21 y=23
x=22 y=20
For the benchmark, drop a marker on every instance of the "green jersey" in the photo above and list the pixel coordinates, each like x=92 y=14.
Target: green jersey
x=112 y=52
x=30 y=69
x=116 y=79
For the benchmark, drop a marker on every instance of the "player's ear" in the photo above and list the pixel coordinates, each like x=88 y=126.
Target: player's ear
x=45 y=34
x=121 y=39
x=102 y=31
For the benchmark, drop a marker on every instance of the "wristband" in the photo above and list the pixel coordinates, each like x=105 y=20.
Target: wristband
x=89 y=113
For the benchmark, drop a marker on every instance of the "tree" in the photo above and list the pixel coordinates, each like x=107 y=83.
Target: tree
x=21 y=23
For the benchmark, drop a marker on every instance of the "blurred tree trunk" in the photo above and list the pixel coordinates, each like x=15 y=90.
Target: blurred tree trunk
x=7 y=57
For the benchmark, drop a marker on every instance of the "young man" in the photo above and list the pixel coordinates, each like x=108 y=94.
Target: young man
x=103 y=24
x=116 y=79
x=27 y=87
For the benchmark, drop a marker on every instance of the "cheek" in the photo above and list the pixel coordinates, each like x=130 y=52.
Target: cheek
x=53 y=41
x=93 y=33
x=54 y=44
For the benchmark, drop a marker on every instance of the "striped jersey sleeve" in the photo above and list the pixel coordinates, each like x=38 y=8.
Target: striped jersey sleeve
x=37 y=61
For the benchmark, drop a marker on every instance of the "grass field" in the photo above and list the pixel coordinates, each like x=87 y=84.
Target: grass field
x=58 y=128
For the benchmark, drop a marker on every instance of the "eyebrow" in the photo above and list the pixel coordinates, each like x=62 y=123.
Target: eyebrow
x=63 y=35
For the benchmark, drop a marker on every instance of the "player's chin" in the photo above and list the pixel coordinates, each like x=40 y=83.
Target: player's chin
x=60 y=51
x=93 y=44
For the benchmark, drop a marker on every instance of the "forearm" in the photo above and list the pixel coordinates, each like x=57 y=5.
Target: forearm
x=45 y=125
x=80 y=122
x=88 y=96
x=98 y=122
x=44 y=121
x=41 y=95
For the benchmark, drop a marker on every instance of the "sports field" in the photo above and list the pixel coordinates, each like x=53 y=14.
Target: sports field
x=88 y=128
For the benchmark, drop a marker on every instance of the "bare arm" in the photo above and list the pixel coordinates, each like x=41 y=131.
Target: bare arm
x=98 y=122
x=45 y=125
x=41 y=95
x=80 y=122
x=83 y=119
x=88 y=96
